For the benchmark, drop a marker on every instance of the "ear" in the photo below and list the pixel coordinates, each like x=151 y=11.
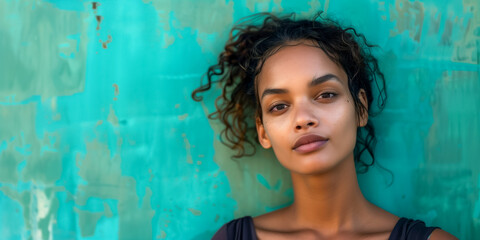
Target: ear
x=262 y=135
x=362 y=95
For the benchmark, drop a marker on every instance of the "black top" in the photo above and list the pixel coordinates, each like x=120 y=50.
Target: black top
x=243 y=229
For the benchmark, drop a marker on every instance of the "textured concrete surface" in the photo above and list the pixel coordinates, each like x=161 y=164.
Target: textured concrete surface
x=99 y=138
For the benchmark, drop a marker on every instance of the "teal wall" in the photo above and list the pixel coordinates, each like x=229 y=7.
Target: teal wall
x=99 y=138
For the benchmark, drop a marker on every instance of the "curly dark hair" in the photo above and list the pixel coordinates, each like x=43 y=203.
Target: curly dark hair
x=253 y=39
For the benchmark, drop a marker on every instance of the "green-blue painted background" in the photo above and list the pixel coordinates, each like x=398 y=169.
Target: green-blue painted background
x=99 y=138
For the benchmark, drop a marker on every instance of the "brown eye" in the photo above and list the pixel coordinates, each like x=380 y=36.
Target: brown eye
x=327 y=95
x=278 y=107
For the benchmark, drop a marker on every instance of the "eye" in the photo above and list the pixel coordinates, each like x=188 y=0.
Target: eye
x=327 y=95
x=277 y=108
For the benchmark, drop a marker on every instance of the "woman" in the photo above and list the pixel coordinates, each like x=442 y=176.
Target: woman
x=307 y=84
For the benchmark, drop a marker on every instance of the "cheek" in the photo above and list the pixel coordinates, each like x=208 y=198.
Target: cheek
x=276 y=131
x=345 y=126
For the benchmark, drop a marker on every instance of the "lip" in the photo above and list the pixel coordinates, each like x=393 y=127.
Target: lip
x=309 y=143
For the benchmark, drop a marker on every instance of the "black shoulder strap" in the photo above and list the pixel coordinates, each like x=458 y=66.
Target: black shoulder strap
x=241 y=229
x=409 y=229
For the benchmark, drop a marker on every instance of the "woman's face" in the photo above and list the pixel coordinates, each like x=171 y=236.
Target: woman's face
x=307 y=109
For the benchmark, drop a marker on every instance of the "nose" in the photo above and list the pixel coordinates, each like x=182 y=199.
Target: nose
x=304 y=118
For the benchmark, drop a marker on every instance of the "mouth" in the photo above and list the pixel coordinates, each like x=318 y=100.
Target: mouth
x=309 y=143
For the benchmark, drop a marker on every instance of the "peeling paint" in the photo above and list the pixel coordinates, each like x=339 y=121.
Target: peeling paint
x=188 y=148
x=31 y=63
x=183 y=116
x=175 y=14
x=195 y=211
x=408 y=17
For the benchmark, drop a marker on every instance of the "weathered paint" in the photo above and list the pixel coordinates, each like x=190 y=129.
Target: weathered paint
x=99 y=138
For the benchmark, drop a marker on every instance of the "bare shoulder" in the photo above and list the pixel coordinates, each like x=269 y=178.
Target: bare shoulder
x=379 y=219
x=270 y=220
x=439 y=234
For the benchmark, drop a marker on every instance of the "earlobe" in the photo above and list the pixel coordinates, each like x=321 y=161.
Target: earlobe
x=262 y=135
x=362 y=95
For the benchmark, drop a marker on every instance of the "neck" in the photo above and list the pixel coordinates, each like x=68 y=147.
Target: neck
x=330 y=201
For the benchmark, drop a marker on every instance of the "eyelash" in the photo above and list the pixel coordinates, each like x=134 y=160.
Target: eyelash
x=331 y=94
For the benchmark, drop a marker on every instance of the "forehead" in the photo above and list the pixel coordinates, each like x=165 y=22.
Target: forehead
x=296 y=64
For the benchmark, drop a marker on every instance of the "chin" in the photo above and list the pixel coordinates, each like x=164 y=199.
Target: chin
x=315 y=168
x=310 y=164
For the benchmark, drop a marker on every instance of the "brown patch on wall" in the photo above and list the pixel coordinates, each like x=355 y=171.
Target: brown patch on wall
x=409 y=18
x=97 y=17
x=99 y=20
x=95 y=5
x=195 y=211
x=115 y=87
x=466 y=48
x=187 y=148
x=104 y=44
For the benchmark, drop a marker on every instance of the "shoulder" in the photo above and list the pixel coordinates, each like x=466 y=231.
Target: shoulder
x=275 y=219
x=439 y=234
x=416 y=229
x=240 y=228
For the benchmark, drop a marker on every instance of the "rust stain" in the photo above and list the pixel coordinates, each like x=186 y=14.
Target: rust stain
x=188 y=148
x=99 y=20
x=115 y=87
x=95 y=5
x=112 y=118
x=109 y=40
x=98 y=17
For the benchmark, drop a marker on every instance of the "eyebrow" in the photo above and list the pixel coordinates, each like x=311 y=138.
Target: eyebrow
x=316 y=81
